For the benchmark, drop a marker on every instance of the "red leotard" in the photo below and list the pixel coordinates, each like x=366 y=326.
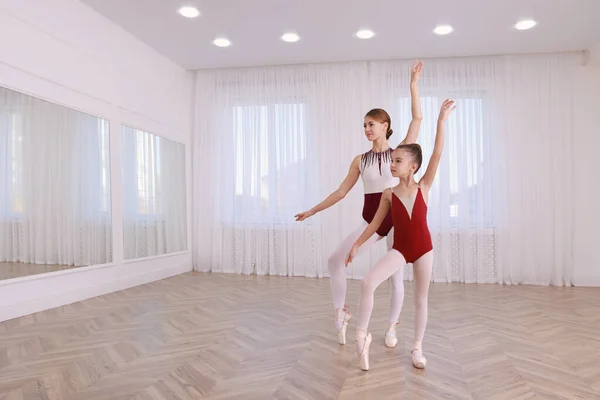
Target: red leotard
x=370 y=207
x=376 y=176
x=411 y=233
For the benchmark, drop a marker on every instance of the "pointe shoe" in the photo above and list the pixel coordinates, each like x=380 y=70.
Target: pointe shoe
x=390 y=339
x=345 y=317
x=364 y=355
x=417 y=358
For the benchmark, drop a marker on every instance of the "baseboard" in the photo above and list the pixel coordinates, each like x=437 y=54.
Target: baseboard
x=45 y=303
x=587 y=281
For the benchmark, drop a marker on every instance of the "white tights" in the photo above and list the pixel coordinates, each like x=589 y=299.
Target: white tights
x=392 y=264
x=337 y=273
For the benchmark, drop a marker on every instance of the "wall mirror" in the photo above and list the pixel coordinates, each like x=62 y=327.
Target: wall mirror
x=154 y=195
x=55 y=209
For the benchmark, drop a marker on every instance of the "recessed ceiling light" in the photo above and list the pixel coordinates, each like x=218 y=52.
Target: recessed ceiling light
x=290 y=37
x=443 y=29
x=189 y=12
x=222 y=42
x=525 y=24
x=365 y=34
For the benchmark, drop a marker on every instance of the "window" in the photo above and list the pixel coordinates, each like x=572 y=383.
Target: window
x=466 y=153
x=466 y=148
x=270 y=154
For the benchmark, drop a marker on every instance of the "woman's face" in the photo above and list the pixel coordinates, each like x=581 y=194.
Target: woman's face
x=374 y=129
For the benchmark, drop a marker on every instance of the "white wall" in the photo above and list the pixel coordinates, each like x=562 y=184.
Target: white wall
x=587 y=187
x=64 y=52
x=594 y=54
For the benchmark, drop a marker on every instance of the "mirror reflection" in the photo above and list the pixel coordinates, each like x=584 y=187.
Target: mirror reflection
x=55 y=210
x=154 y=195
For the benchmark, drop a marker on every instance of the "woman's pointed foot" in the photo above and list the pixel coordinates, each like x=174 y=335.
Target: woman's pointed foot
x=417 y=358
x=342 y=318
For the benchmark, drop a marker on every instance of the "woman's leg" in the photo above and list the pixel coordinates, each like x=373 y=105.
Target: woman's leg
x=396 y=298
x=386 y=267
x=337 y=276
x=422 y=271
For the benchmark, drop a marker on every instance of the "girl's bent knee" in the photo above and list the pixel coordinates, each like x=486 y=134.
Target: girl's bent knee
x=366 y=286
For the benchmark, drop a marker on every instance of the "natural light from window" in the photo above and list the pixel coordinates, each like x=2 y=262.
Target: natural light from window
x=270 y=140
x=465 y=151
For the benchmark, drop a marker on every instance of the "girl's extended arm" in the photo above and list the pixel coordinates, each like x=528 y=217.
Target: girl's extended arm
x=447 y=108
x=382 y=210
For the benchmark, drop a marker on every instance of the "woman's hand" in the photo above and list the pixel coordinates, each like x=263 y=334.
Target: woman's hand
x=303 y=215
x=415 y=71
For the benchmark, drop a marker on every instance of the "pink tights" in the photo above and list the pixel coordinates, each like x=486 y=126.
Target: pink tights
x=337 y=273
x=392 y=264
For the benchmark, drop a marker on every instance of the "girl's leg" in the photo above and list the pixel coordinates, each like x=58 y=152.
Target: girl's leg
x=337 y=277
x=422 y=271
x=386 y=267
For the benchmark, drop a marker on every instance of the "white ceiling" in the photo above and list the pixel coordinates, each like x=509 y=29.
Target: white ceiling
x=326 y=27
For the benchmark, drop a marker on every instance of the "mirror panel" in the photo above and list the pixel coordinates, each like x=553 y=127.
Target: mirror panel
x=55 y=209
x=154 y=195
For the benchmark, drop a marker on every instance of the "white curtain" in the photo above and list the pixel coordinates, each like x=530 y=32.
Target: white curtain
x=273 y=141
x=54 y=184
x=154 y=216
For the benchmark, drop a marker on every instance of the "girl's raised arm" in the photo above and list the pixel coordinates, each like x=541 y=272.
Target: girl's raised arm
x=447 y=108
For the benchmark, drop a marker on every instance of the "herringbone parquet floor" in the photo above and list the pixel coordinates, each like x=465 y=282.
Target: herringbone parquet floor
x=205 y=336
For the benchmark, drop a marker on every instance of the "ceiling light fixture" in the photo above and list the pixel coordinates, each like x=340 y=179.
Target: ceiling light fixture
x=525 y=24
x=443 y=29
x=222 y=42
x=290 y=37
x=189 y=12
x=365 y=34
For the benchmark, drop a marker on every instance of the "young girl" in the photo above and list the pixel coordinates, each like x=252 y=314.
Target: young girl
x=374 y=168
x=412 y=240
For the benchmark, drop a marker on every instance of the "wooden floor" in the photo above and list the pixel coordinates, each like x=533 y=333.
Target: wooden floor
x=203 y=336
x=9 y=270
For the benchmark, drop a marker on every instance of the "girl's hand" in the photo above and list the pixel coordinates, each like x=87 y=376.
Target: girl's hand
x=447 y=107
x=351 y=255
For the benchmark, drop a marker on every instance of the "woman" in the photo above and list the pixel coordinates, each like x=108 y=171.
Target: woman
x=412 y=240
x=374 y=168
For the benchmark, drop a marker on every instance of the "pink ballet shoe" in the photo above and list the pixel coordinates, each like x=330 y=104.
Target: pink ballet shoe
x=417 y=358
x=390 y=337
x=344 y=316
x=364 y=354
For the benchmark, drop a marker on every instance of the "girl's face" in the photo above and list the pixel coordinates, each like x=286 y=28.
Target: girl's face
x=374 y=129
x=403 y=165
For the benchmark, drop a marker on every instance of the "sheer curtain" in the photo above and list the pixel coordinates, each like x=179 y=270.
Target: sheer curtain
x=154 y=217
x=54 y=184
x=271 y=142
